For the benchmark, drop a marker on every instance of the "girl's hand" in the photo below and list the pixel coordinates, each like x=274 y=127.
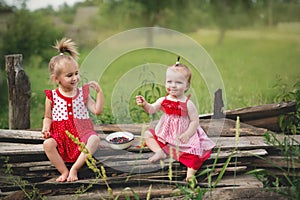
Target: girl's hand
x=184 y=138
x=95 y=86
x=140 y=100
x=46 y=134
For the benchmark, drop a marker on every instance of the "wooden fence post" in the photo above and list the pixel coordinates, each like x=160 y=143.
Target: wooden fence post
x=218 y=105
x=19 y=92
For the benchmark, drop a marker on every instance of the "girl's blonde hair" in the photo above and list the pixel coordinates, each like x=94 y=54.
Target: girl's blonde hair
x=65 y=45
x=184 y=70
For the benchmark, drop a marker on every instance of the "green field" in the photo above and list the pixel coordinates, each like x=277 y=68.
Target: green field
x=251 y=62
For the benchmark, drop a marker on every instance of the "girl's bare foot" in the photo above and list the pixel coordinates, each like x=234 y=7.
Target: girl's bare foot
x=103 y=144
x=72 y=176
x=159 y=155
x=62 y=178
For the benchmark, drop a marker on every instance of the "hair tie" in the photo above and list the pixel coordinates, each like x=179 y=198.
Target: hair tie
x=177 y=63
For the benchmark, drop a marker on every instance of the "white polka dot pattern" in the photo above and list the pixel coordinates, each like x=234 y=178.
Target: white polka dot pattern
x=62 y=109
x=59 y=111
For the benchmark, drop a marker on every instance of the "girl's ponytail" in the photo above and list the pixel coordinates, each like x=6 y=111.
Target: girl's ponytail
x=66 y=45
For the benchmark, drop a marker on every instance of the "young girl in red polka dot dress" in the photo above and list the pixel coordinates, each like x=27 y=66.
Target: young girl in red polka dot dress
x=66 y=108
x=178 y=131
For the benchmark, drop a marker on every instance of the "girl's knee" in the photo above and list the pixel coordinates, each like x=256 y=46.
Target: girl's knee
x=93 y=139
x=148 y=134
x=49 y=144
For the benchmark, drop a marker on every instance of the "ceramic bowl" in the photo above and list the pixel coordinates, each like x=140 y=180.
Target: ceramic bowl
x=120 y=140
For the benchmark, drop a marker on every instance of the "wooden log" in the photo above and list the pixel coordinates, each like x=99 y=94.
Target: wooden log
x=262 y=116
x=262 y=111
x=19 y=93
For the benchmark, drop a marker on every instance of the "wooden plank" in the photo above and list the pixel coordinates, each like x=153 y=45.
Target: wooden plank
x=252 y=142
x=239 y=153
x=242 y=193
x=276 y=161
x=25 y=136
x=139 y=184
x=213 y=127
x=12 y=149
x=226 y=127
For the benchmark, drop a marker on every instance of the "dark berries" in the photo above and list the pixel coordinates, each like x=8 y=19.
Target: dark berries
x=119 y=140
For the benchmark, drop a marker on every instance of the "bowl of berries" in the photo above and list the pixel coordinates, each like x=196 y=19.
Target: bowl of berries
x=120 y=140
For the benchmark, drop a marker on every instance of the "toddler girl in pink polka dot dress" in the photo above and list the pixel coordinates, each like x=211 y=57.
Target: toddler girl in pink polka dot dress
x=66 y=108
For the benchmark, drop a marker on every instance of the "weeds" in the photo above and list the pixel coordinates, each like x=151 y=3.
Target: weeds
x=29 y=190
x=289 y=123
x=194 y=191
x=288 y=183
x=91 y=163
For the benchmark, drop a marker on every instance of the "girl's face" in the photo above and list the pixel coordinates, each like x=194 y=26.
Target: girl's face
x=176 y=83
x=68 y=76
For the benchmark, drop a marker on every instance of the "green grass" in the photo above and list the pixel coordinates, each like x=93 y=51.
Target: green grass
x=250 y=62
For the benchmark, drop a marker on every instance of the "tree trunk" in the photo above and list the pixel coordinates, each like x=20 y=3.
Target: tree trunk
x=270 y=13
x=19 y=93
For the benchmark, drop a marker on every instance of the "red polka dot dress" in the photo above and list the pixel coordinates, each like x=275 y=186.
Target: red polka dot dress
x=70 y=113
x=174 y=121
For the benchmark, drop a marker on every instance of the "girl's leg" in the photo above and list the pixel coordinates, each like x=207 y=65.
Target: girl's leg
x=54 y=157
x=190 y=174
x=92 y=145
x=154 y=146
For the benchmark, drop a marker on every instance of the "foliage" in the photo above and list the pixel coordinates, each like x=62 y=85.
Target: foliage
x=288 y=183
x=243 y=53
x=29 y=191
x=31 y=34
x=91 y=163
x=194 y=191
x=289 y=123
x=169 y=14
x=151 y=91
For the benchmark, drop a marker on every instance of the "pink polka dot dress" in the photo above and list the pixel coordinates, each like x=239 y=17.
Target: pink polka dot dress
x=70 y=113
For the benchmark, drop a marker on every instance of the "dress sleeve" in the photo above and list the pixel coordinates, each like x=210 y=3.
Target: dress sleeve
x=85 y=92
x=48 y=94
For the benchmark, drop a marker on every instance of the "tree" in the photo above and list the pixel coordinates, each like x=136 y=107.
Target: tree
x=230 y=14
x=30 y=34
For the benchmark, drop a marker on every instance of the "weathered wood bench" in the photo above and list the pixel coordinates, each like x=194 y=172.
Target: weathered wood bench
x=130 y=168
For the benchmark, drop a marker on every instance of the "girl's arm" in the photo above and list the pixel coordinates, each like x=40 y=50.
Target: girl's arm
x=194 y=123
x=96 y=107
x=149 y=108
x=47 y=119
